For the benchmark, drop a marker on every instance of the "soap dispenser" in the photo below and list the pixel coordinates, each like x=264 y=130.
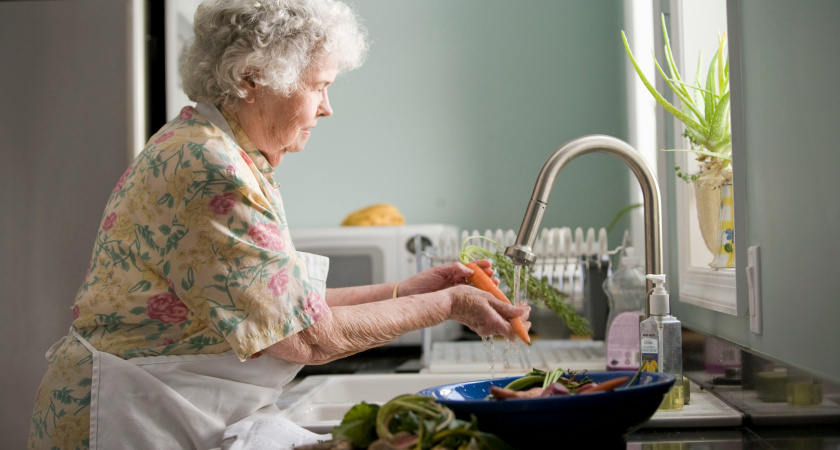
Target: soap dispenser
x=661 y=343
x=626 y=289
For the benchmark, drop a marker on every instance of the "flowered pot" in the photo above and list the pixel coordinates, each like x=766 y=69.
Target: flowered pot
x=725 y=246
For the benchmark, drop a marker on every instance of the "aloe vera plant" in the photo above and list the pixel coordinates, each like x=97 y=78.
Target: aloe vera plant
x=705 y=110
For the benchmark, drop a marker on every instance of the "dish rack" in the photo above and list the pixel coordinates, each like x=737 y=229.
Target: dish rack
x=574 y=262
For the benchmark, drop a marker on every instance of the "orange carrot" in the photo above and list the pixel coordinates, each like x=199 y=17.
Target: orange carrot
x=481 y=280
x=607 y=385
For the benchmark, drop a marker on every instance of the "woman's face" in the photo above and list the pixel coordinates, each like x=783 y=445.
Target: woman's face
x=277 y=124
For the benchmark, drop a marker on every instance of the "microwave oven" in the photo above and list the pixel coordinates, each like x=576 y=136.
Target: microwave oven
x=379 y=254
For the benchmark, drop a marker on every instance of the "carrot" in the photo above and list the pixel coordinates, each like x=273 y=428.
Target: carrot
x=607 y=385
x=480 y=280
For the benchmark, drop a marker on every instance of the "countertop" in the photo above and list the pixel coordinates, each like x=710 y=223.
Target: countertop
x=759 y=434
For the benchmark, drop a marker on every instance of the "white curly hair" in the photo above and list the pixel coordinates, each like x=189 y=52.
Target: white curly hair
x=270 y=42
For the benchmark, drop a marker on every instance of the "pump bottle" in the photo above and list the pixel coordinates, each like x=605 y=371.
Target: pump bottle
x=661 y=343
x=625 y=289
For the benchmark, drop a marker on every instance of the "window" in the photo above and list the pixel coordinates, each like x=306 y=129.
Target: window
x=694 y=26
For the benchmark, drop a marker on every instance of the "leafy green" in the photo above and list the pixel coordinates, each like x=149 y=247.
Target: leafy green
x=413 y=422
x=358 y=425
x=536 y=376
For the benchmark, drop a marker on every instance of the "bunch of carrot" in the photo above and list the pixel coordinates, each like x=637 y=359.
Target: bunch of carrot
x=482 y=281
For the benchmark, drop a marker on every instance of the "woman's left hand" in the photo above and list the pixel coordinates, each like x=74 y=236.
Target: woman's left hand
x=442 y=277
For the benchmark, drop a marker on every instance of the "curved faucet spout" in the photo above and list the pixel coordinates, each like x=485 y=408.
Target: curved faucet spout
x=521 y=252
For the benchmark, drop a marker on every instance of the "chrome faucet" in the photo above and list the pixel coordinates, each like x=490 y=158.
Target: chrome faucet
x=521 y=252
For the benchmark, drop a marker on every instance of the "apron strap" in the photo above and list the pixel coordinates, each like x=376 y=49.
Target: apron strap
x=84 y=342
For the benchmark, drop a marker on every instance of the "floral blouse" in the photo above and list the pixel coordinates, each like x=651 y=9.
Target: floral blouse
x=193 y=256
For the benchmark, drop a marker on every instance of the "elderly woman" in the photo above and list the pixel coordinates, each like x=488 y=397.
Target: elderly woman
x=196 y=309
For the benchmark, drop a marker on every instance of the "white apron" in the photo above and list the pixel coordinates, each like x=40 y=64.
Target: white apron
x=184 y=401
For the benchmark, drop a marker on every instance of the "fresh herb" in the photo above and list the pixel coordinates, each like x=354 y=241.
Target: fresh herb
x=538 y=290
x=411 y=422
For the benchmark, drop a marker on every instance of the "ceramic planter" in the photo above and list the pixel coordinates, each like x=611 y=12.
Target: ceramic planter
x=716 y=220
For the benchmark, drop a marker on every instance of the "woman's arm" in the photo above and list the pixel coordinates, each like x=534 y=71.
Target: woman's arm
x=347 y=330
x=430 y=280
x=358 y=295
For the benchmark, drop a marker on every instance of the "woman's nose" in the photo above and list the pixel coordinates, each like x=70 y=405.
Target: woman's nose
x=324 y=109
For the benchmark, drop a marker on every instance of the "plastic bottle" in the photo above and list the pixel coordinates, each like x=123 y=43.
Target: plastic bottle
x=661 y=343
x=625 y=289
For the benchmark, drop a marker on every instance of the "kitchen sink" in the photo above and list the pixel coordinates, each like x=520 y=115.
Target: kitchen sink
x=319 y=402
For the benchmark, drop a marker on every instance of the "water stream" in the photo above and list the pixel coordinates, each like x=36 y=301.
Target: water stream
x=514 y=347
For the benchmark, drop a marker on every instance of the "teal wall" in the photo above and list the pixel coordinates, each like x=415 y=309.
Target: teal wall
x=458 y=106
x=786 y=159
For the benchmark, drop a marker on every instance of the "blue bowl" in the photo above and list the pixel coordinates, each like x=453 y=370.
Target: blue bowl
x=532 y=422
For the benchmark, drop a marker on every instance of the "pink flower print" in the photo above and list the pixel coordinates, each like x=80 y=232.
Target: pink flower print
x=231 y=168
x=75 y=312
x=108 y=223
x=267 y=235
x=316 y=306
x=221 y=204
x=121 y=183
x=186 y=113
x=166 y=308
x=278 y=282
x=245 y=157
x=165 y=342
x=163 y=137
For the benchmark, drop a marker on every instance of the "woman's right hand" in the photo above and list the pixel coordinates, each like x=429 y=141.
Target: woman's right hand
x=484 y=314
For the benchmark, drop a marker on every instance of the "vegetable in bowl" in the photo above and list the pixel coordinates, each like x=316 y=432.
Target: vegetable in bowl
x=538 y=383
x=407 y=422
x=602 y=417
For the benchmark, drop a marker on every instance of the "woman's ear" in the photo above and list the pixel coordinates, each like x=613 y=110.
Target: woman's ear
x=249 y=86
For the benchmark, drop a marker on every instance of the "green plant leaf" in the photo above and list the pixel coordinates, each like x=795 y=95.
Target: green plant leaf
x=358 y=425
x=684 y=118
x=621 y=214
x=723 y=74
x=686 y=99
x=699 y=152
x=718 y=124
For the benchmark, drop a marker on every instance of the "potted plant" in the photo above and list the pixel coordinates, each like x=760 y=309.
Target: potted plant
x=705 y=114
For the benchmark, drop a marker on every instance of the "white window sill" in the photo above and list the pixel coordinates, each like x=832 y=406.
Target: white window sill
x=710 y=289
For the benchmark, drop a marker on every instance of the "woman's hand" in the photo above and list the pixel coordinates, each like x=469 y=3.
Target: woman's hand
x=442 y=277
x=350 y=329
x=484 y=314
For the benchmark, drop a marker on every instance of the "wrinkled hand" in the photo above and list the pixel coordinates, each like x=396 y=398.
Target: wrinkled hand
x=442 y=277
x=484 y=314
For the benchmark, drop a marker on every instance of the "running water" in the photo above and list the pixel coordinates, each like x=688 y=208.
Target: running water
x=517 y=271
x=489 y=342
x=491 y=354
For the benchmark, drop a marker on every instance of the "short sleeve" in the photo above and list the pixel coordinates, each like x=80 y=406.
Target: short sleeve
x=225 y=249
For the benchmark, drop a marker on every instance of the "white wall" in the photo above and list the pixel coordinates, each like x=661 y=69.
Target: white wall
x=63 y=139
x=465 y=100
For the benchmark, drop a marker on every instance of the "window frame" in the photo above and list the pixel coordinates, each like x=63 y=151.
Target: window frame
x=702 y=286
